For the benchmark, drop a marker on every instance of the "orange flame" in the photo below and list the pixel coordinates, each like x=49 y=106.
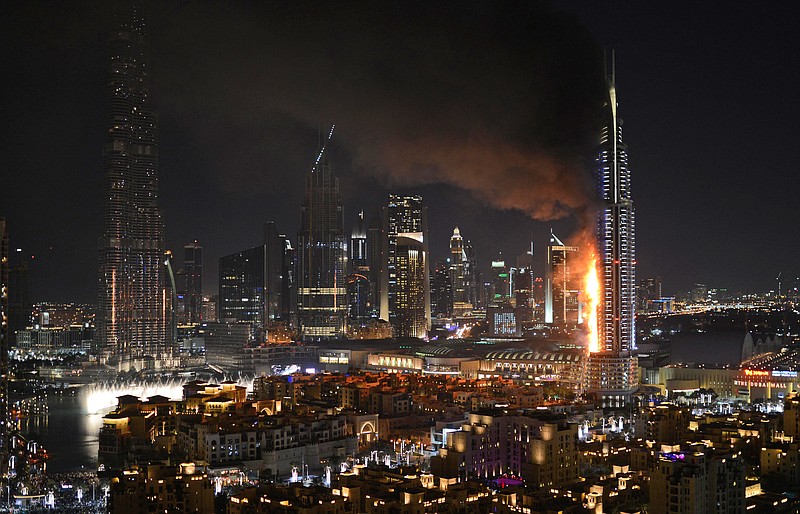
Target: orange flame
x=592 y=297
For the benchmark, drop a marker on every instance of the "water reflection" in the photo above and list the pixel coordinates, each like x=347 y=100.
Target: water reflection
x=69 y=434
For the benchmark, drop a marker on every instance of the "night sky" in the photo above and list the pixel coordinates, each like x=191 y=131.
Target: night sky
x=489 y=111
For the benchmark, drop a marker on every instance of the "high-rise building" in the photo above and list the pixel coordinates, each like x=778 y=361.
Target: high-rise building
x=225 y=342
x=503 y=320
x=131 y=318
x=359 y=294
x=210 y=307
x=460 y=274
x=174 y=305
x=242 y=287
x=612 y=372
x=20 y=306
x=412 y=299
x=562 y=306
x=289 y=283
x=358 y=297
x=405 y=283
x=501 y=287
x=193 y=281
x=252 y=285
x=5 y=264
x=322 y=254
x=522 y=279
x=648 y=294
x=475 y=293
x=521 y=299
x=699 y=293
x=442 y=303
x=538 y=294
x=376 y=260
x=359 y=259
x=278 y=276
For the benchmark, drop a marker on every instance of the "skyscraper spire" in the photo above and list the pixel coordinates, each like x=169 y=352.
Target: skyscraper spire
x=323 y=148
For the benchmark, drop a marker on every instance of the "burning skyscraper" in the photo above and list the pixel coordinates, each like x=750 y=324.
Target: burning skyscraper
x=611 y=370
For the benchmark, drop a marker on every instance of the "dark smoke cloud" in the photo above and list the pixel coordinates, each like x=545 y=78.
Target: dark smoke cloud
x=498 y=99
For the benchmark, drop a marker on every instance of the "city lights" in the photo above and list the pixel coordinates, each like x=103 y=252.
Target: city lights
x=466 y=295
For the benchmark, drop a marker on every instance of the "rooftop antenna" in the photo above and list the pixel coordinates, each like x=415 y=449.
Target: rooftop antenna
x=530 y=252
x=610 y=77
x=613 y=67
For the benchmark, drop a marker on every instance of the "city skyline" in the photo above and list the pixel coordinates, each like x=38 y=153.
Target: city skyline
x=201 y=205
x=412 y=277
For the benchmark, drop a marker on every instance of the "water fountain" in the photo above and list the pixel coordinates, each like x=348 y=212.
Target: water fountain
x=102 y=397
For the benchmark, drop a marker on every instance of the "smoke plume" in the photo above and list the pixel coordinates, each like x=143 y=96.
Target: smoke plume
x=498 y=99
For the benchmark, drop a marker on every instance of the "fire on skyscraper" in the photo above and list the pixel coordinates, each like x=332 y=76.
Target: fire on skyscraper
x=611 y=369
x=591 y=291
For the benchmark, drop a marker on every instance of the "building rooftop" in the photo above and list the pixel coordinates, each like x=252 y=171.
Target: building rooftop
x=527 y=354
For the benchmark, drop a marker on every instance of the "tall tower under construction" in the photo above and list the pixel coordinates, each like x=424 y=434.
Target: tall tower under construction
x=131 y=307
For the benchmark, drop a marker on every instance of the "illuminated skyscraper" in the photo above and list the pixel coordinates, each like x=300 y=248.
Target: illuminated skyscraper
x=522 y=278
x=359 y=297
x=561 y=294
x=501 y=287
x=412 y=298
x=254 y=285
x=359 y=261
x=459 y=274
x=612 y=371
x=405 y=283
x=131 y=307
x=321 y=255
x=616 y=230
